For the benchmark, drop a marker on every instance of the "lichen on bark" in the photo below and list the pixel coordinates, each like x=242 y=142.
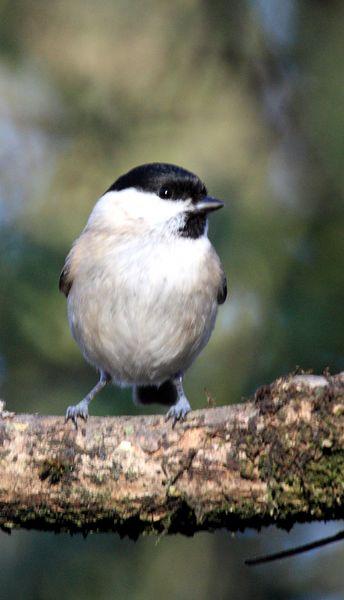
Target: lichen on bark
x=276 y=459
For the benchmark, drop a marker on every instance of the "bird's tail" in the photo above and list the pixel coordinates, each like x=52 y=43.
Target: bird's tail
x=165 y=393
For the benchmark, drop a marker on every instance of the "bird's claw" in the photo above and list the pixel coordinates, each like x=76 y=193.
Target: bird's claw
x=178 y=411
x=78 y=410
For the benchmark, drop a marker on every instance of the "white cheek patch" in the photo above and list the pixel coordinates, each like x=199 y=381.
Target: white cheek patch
x=120 y=208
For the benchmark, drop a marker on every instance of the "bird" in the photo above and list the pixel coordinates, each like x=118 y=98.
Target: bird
x=143 y=284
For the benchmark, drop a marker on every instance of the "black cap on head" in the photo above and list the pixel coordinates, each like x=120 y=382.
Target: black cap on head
x=167 y=181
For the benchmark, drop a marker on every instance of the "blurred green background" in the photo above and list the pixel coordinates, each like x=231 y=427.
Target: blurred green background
x=250 y=96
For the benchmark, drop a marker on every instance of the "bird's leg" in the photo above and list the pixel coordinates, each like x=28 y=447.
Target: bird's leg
x=81 y=409
x=180 y=409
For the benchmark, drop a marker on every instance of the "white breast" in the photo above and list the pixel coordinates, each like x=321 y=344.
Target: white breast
x=143 y=311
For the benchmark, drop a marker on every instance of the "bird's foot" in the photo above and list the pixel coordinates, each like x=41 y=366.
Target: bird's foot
x=178 y=411
x=77 y=410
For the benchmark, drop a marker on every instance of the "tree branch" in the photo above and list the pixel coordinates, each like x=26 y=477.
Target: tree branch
x=276 y=459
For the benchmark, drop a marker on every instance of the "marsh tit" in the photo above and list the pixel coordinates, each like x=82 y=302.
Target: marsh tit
x=143 y=284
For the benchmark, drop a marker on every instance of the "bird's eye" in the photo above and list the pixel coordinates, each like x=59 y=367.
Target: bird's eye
x=165 y=193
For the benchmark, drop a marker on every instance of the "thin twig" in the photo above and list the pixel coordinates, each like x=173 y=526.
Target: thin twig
x=251 y=562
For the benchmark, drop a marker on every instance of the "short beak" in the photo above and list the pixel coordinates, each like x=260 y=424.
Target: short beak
x=208 y=204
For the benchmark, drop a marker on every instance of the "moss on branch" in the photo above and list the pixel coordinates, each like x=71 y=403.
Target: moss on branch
x=277 y=459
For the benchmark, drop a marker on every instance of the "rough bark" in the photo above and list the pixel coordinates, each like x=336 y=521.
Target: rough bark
x=276 y=459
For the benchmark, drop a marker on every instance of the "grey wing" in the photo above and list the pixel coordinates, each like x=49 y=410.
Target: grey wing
x=65 y=281
x=72 y=261
x=222 y=291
